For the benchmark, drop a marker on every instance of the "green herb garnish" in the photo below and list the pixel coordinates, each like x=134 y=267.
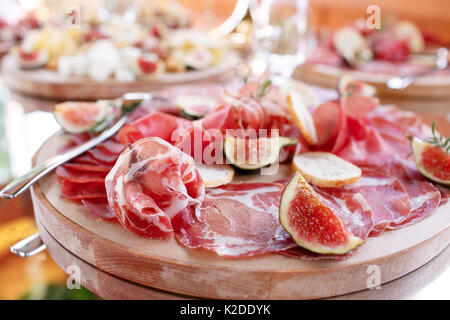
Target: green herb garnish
x=439 y=140
x=262 y=88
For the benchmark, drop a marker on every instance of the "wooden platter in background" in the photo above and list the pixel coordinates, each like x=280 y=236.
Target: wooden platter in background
x=44 y=83
x=430 y=87
x=167 y=266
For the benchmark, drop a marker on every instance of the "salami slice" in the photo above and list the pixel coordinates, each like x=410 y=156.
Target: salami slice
x=99 y=207
x=87 y=167
x=236 y=220
x=155 y=124
x=77 y=191
x=111 y=146
x=80 y=176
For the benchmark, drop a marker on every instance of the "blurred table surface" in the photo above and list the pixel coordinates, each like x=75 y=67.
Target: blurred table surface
x=18 y=275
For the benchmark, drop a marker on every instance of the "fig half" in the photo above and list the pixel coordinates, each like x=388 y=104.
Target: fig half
x=311 y=223
x=432 y=161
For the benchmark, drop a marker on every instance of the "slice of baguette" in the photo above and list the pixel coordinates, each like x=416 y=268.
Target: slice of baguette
x=325 y=169
x=308 y=95
x=302 y=117
x=215 y=175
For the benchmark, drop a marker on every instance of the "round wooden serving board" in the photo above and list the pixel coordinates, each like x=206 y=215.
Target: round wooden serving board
x=327 y=76
x=168 y=266
x=108 y=286
x=50 y=84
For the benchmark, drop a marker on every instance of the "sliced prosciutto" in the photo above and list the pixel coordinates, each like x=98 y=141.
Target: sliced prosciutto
x=99 y=207
x=152 y=182
x=78 y=191
x=80 y=176
x=155 y=124
x=385 y=195
x=236 y=220
x=424 y=197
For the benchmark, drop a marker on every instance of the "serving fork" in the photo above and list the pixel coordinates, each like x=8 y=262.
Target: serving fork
x=22 y=183
x=400 y=83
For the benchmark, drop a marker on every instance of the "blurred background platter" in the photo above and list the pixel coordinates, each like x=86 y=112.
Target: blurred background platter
x=433 y=87
x=49 y=84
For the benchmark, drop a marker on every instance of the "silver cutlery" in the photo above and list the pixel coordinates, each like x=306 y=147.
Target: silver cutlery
x=21 y=184
x=400 y=83
x=29 y=246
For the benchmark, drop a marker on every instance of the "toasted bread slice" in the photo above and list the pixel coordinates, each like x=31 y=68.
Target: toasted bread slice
x=325 y=169
x=302 y=117
x=215 y=175
x=308 y=95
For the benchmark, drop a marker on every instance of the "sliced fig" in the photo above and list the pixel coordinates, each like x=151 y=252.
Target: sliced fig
x=432 y=161
x=78 y=117
x=251 y=154
x=348 y=86
x=194 y=106
x=311 y=223
x=351 y=45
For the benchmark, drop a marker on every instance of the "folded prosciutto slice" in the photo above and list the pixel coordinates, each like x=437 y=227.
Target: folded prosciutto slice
x=151 y=182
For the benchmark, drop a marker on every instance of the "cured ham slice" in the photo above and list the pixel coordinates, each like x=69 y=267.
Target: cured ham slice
x=361 y=132
x=99 y=207
x=87 y=167
x=80 y=176
x=152 y=182
x=236 y=220
x=111 y=146
x=86 y=158
x=104 y=157
x=424 y=197
x=155 y=124
x=385 y=195
x=77 y=191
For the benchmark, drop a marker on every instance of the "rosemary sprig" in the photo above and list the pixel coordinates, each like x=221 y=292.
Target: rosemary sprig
x=439 y=140
x=262 y=88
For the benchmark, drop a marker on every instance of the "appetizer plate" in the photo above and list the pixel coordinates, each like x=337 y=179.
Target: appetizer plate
x=166 y=265
x=424 y=87
x=49 y=84
x=108 y=286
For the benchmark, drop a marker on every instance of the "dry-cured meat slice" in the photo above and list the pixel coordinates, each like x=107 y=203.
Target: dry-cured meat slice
x=236 y=220
x=99 y=207
x=152 y=182
x=80 y=176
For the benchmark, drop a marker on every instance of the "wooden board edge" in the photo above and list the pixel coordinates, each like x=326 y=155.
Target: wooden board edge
x=99 y=282
x=115 y=259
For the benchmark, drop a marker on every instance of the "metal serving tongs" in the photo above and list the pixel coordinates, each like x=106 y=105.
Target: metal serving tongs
x=34 y=244
x=400 y=83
